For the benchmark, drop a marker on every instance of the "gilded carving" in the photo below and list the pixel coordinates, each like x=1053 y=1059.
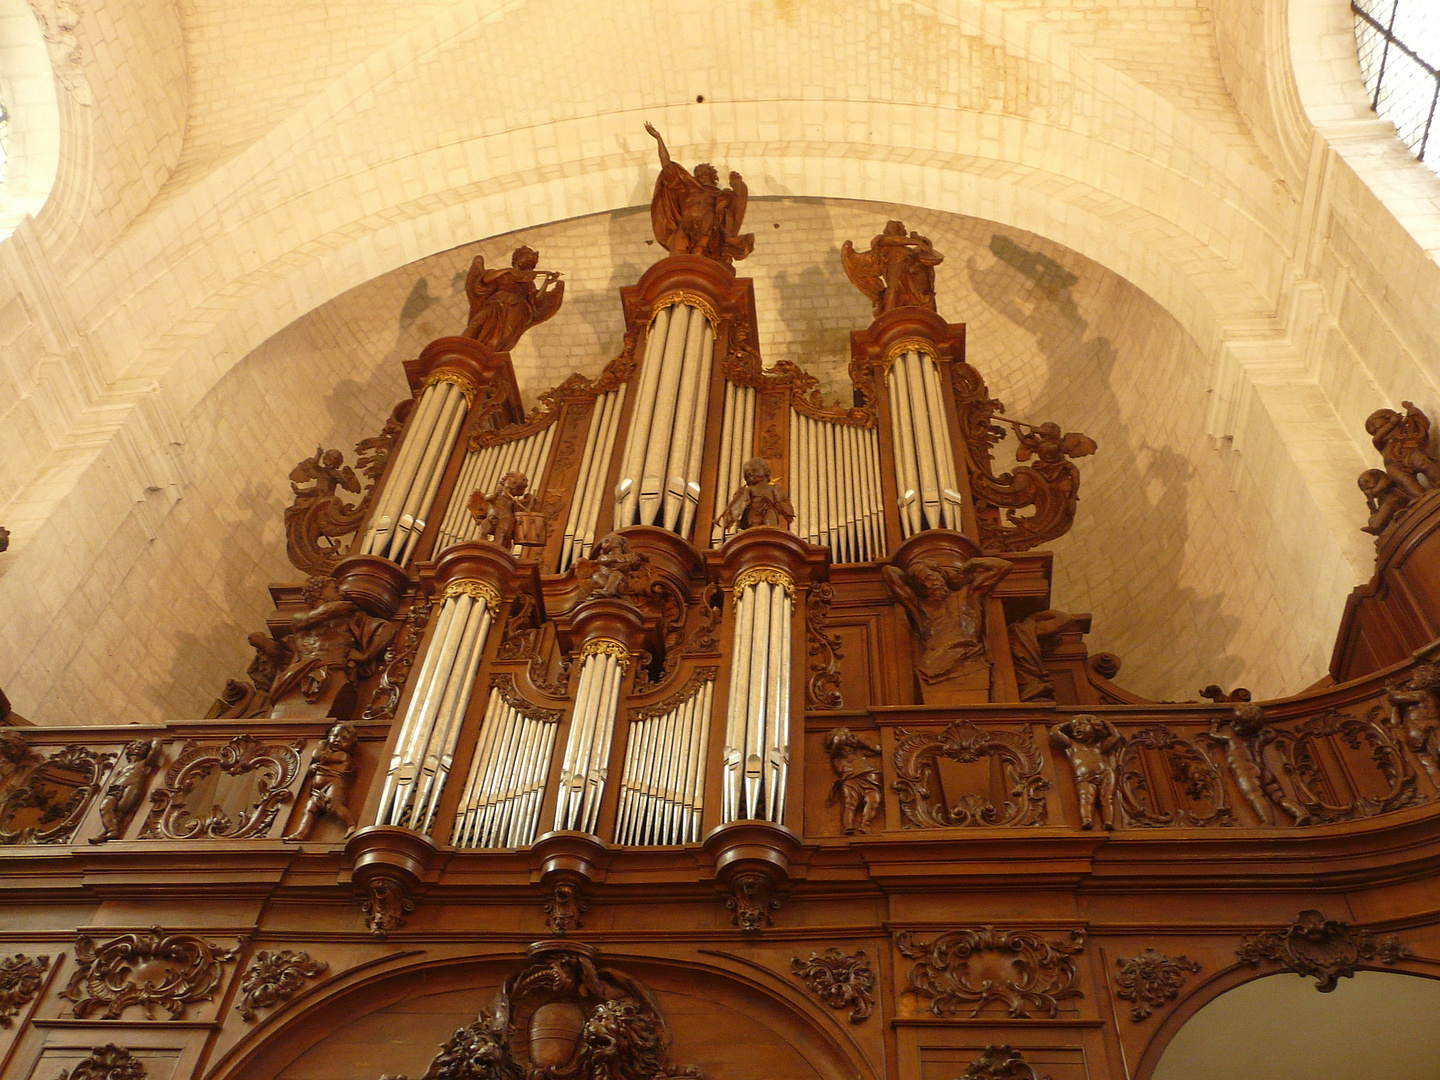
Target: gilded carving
x=1092 y=747
x=332 y=771
x=758 y=501
x=565 y=1019
x=504 y=303
x=145 y=969
x=963 y=968
x=138 y=762
x=924 y=801
x=693 y=215
x=265 y=772
x=1150 y=979
x=20 y=979
x=822 y=689
x=108 y=1062
x=399 y=659
x=606 y=647
x=768 y=575
x=1404 y=444
x=46 y=796
x=1001 y=1063
x=275 y=977
x=898 y=270
x=840 y=980
x=858 y=787
x=1324 y=949
x=475 y=589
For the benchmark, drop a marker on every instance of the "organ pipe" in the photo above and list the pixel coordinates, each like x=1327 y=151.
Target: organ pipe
x=483 y=469
x=660 y=787
x=925 y=474
x=589 y=488
x=737 y=434
x=837 y=487
x=500 y=806
x=757 y=723
x=592 y=725
x=425 y=749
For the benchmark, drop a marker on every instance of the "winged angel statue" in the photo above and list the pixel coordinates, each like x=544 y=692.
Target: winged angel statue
x=897 y=271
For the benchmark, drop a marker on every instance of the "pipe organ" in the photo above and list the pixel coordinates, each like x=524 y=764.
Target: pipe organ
x=757 y=723
x=579 y=536
x=737 y=435
x=924 y=458
x=660 y=789
x=603 y=663
x=836 y=487
x=482 y=469
x=500 y=806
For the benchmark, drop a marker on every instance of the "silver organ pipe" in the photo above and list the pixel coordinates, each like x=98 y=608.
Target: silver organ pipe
x=592 y=725
x=660 y=469
x=482 y=469
x=500 y=806
x=924 y=459
x=837 y=487
x=590 y=486
x=661 y=787
x=425 y=749
x=415 y=478
x=737 y=435
x=757 y=723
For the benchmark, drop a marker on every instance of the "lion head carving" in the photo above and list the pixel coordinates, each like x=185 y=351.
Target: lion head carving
x=622 y=1040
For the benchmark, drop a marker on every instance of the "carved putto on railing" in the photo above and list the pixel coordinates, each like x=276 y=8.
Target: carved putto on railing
x=1092 y=746
x=898 y=270
x=1404 y=444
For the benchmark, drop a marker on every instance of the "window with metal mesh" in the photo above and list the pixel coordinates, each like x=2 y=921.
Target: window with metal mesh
x=1399 y=46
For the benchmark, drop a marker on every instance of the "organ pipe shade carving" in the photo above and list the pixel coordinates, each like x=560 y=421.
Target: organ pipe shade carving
x=835 y=486
x=925 y=476
x=579 y=536
x=757 y=721
x=482 y=469
x=660 y=473
x=592 y=725
x=737 y=435
x=501 y=803
x=425 y=750
x=414 y=479
x=662 y=786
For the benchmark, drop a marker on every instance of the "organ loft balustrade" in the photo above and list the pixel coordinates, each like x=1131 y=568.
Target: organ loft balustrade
x=690 y=697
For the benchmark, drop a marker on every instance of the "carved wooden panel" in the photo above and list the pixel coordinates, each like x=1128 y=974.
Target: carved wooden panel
x=145 y=970
x=48 y=796
x=230 y=790
x=1025 y=973
x=932 y=795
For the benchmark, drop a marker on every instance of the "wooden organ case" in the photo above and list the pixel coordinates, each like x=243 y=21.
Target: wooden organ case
x=688 y=725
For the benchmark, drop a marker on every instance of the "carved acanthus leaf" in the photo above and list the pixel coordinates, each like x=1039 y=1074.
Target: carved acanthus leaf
x=20 y=978
x=399 y=659
x=275 y=977
x=1149 y=979
x=1022 y=801
x=956 y=969
x=822 y=690
x=744 y=367
x=693 y=685
x=144 y=969
x=108 y=1062
x=47 y=796
x=1326 y=949
x=276 y=766
x=840 y=980
x=1001 y=1063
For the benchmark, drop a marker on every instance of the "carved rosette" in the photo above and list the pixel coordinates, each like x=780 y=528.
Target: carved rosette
x=1001 y=1063
x=839 y=980
x=956 y=969
x=45 y=803
x=108 y=1062
x=926 y=805
x=1150 y=979
x=275 y=977
x=822 y=690
x=1325 y=949
x=275 y=765
x=20 y=979
x=146 y=969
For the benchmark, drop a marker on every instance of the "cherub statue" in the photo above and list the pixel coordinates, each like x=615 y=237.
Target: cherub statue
x=506 y=303
x=858 y=787
x=318 y=517
x=946 y=609
x=332 y=768
x=1090 y=744
x=898 y=270
x=694 y=215
x=326 y=647
x=1415 y=716
x=610 y=568
x=1244 y=748
x=497 y=515
x=1383 y=497
x=1052 y=451
x=127 y=785
x=759 y=501
x=1404 y=445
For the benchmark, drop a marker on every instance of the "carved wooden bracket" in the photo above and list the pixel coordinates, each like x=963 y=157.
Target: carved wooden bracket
x=20 y=978
x=570 y=862
x=840 y=980
x=275 y=977
x=1326 y=949
x=1149 y=979
x=957 y=968
x=752 y=869
x=147 y=969
x=390 y=864
x=108 y=1062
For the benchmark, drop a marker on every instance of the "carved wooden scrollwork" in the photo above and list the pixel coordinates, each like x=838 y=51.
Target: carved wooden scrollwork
x=751 y=897
x=822 y=689
x=1018 y=969
x=271 y=768
x=924 y=801
x=1001 y=1063
x=275 y=977
x=1319 y=793
x=1198 y=777
x=108 y=1062
x=840 y=980
x=744 y=367
x=1150 y=979
x=47 y=796
x=1325 y=949
x=384 y=905
x=20 y=978
x=147 y=969
x=399 y=659
x=698 y=678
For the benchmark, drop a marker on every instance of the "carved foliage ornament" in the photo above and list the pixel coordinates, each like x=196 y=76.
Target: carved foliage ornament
x=562 y=1018
x=20 y=978
x=1150 y=979
x=752 y=898
x=744 y=367
x=145 y=969
x=1001 y=1063
x=1019 y=969
x=399 y=659
x=1326 y=949
x=108 y=1062
x=924 y=801
x=48 y=796
x=826 y=650
x=840 y=980
x=275 y=767
x=1194 y=773
x=275 y=977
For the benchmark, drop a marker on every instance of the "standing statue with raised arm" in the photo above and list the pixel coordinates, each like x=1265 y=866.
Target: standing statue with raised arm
x=693 y=215
x=898 y=270
x=505 y=303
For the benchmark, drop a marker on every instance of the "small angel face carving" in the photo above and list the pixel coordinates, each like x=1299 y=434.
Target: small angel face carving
x=515 y=483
